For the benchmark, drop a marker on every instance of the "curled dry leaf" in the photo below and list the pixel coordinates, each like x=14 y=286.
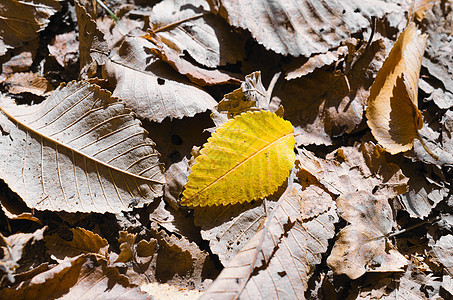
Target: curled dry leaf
x=13 y=248
x=149 y=86
x=300 y=27
x=79 y=150
x=85 y=276
x=83 y=241
x=246 y=159
x=250 y=96
x=192 y=28
x=195 y=73
x=315 y=62
x=93 y=48
x=392 y=111
x=278 y=261
x=21 y=21
x=362 y=246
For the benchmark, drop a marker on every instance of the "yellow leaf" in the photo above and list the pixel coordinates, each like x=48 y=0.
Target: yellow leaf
x=392 y=111
x=246 y=159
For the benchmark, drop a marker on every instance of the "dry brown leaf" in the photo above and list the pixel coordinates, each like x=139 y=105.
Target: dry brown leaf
x=176 y=177
x=83 y=241
x=65 y=48
x=93 y=48
x=348 y=169
x=93 y=155
x=412 y=285
x=315 y=62
x=30 y=82
x=21 y=21
x=423 y=196
x=85 y=276
x=21 y=61
x=280 y=258
x=352 y=173
x=362 y=246
x=301 y=27
x=443 y=252
x=438 y=50
x=392 y=111
x=229 y=228
x=149 y=86
x=326 y=104
x=195 y=73
x=436 y=136
x=194 y=29
x=127 y=241
x=13 y=248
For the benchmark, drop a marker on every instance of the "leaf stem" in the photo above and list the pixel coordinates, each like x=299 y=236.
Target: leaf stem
x=426 y=147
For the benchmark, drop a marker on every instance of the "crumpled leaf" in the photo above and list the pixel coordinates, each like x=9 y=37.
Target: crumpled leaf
x=83 y=241
x=392 y=111
x=21 y=21
x=325 y=104
x=246 y=159
x=362 y=246
x=192 y=28
x=86 y=153
x=85 y=276
x=13 y=248
x=149 y=86
x=280 y=258
x=301 y=27
x=126 y=241
x=250 y=96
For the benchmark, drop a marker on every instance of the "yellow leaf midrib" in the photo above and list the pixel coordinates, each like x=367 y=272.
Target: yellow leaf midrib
x=238 y=165
x=59 y=143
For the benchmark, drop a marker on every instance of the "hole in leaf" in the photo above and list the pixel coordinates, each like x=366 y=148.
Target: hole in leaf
x=160 y=81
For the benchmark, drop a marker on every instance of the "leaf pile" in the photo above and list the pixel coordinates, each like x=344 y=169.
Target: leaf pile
x=226 y=149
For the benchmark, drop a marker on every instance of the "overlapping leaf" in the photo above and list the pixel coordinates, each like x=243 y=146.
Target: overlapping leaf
x=192 y=28
x=392 y=111
x=326 y=104
x=80 y=150
x=84 y=276
x=278 y=261
x=21 y=21
x=149 y=86
x=300 y=27
x=246 y=159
